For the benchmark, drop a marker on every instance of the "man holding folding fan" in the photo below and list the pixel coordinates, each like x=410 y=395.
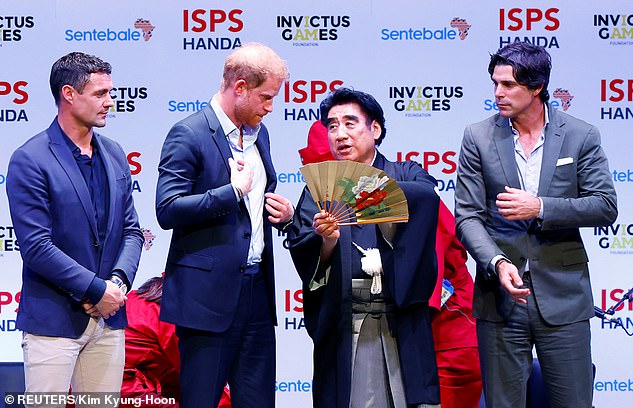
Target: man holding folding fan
x=372 y=346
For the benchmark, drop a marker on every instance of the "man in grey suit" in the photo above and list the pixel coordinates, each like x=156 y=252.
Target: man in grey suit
x=527 y=179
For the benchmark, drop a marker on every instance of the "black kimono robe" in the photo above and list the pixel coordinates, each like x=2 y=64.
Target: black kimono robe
x=410 y=271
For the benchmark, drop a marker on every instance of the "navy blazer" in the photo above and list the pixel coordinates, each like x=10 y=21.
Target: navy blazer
x=211 y=229
x=56 y=227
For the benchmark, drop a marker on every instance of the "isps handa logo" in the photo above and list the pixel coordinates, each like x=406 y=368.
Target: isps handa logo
x=9 y=301
x=293 y=310
x=302 y=97
x=617 y=29
x=140 y=31
x=616 y=238
x=13 y=97
x=133 y=160
x=457 y=29
x=126 y=99
x=311 y=31
x=616 y=95
x=422 y=101
x=440 y=164
x=609 y=298
x=211 y=30
x=12 y=28
x=532 y=25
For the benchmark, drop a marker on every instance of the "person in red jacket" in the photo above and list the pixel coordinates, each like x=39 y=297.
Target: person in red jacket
x=454 y=335
x=152 y=361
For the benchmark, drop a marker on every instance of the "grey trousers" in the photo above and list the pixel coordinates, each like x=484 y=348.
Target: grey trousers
x=376 y=374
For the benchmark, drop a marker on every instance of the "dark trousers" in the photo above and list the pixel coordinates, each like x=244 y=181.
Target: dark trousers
x=244 y=355
x=564 y=354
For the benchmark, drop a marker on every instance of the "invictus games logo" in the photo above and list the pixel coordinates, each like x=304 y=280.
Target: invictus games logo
x=616 y=238
x=125 y=99
x=615 y=28
x=531 y=25
x=8 y=240
x=310 y=31
x=141 y=30
x=12 y=28
x=422 y=101
x=211 y=30
x=564 y=96
x=457 y=28
x=616 y=95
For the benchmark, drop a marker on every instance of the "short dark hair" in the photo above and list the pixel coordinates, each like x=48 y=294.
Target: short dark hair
x=531 y=65
x=367 y=103
x=74 y=69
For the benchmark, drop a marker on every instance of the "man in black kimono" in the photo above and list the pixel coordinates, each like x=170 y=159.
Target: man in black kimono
x=370 y=349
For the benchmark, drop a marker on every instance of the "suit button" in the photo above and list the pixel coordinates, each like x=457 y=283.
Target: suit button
x=247 y=235
x=95 y=244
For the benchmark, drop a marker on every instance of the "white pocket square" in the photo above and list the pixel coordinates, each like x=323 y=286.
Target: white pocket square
x=564 y=161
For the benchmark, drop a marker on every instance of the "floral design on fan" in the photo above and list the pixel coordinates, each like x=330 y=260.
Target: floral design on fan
x=366 y=195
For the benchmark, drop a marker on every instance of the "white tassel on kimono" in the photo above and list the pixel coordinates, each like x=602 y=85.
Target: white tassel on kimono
x=371 y=263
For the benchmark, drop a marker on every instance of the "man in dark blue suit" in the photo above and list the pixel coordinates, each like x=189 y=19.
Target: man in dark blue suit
x=70 y=198
x=215 y=191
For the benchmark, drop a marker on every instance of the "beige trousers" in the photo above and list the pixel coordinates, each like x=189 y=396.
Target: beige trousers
x=93 y=363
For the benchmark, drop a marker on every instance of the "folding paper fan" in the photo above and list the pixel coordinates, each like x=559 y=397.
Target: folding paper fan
x=355 y=193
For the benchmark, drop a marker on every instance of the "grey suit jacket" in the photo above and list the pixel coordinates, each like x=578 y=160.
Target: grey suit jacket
x=577 y=191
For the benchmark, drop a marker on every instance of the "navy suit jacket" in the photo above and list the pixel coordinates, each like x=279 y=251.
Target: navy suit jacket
x=211 y=229
x=56 y=227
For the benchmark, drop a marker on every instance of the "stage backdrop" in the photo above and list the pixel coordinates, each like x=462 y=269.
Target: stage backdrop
x=425 y=62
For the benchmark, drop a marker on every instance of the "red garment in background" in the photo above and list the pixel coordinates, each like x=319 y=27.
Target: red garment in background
x=152 y=361
x=453 y=326
x=318 y=148
x=454 y=331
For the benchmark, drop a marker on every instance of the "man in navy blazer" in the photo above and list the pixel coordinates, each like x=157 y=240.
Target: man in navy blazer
x=528 y=178
x=70 y=198
x=215 y=191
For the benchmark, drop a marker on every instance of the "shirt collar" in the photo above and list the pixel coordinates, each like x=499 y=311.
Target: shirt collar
x=515 y=133
x=76 y=151
x=249 y=133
